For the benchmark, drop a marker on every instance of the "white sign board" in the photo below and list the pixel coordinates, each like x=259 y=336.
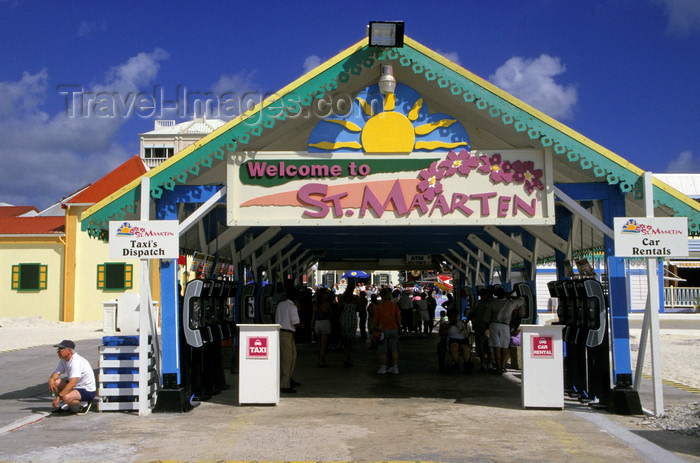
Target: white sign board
x=651 y=237
x=434 y=188
x=156 y=239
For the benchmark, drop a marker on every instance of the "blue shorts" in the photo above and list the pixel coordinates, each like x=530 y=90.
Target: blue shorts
x=86 y=396
x=390 y=343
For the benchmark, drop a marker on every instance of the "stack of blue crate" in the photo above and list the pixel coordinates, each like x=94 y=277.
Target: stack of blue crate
x=119 y=373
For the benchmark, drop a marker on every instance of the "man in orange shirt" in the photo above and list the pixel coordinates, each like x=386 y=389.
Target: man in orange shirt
x=387 y=318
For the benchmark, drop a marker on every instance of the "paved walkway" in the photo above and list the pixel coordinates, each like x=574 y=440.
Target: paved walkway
x=339 y=414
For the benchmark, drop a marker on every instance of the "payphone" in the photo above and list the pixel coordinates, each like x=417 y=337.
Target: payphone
x=214 y=352
x=196 y=336
x=583 y=311
x=217 y=312
x=231 y=305
x=523 y=290
x=556 y=289
x=247 y=304
x=267 y=308
x=597 y=342
x=572 y=376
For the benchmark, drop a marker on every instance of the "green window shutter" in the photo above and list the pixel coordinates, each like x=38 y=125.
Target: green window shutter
x=43 y=276
x=101 y=276
x=128 y=276
x=15 y=277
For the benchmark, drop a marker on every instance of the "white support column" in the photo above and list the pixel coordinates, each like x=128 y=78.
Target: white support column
x=292 y=263
x=144 y=308
x=201 y=236
x=510 y=264
x=228 y=235
x=488 y=250
x=550 y=238
x=479 y=259
x=258 y=242
x=282 y=257
x=454 y=264
x=533 y=261
x=462 y=259
x=509 y=242
x=650 y=324
x=268 y=254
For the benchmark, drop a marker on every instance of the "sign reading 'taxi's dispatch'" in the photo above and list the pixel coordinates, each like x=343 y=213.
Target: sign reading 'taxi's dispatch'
x=153 y=239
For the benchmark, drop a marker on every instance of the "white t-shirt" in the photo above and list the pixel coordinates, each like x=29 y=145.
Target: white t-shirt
x=287 y=315
x=78 y=367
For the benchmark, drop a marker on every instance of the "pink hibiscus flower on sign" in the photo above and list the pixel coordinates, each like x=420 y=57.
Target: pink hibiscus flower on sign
x=462 y=162
x=430 y=186
x=525 y=172
x=496 y=170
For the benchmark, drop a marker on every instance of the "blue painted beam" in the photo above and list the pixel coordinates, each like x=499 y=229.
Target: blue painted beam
x=619 y=308
x=170 y=313
x=562 y=228
x=166 y=209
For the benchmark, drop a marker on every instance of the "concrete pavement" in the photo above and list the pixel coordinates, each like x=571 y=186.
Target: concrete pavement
x=338 y=414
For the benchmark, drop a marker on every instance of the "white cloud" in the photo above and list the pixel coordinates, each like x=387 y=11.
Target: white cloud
x=234 y=94
x=23 y=96
x=240 y=83
x=311 y=62
x=86 y=28
x=49 y=156
x=532 y=80
x=450 y=55
x=138 y=71
x=685 y=162
x=683 y=16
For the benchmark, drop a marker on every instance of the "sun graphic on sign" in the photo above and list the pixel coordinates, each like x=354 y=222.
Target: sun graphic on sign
x=399 y=122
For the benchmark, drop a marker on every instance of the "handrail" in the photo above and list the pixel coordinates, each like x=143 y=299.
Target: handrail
x=154 y=332
x=681 y=296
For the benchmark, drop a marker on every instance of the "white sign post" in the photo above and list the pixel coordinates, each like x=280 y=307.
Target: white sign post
x=144 y=240
x=653 y=238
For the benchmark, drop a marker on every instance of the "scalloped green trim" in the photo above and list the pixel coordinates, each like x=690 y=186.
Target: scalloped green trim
x=457 y=86
x=517 y=119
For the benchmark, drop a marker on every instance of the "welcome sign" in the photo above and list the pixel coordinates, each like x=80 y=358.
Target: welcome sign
x=455 y=187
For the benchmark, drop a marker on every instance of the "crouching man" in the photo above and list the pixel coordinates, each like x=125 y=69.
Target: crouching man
x=76 y=392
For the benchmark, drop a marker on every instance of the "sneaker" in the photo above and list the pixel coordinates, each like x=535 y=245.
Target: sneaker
x=84 y=408
x=63 y=408
x=382 y=370
x=395 y=370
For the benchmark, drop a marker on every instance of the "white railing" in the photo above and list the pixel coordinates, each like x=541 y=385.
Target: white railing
x=681 y=297
x=153 y=162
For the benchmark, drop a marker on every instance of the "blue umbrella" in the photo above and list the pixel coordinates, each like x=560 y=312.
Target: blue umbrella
x=356 y=274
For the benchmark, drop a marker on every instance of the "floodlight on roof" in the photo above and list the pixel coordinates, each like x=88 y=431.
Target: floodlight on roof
x=387 y=82
x=385 y=33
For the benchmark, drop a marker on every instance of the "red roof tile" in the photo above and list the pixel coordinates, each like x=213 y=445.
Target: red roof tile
x=32 y=225
x=113 y=181
x=15 y=211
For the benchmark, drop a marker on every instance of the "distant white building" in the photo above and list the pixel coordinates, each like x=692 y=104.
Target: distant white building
x=168 y=138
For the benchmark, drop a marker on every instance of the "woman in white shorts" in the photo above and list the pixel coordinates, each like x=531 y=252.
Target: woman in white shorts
x=321 y=321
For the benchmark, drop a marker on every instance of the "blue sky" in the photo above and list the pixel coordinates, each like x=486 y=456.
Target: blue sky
x=623 y=73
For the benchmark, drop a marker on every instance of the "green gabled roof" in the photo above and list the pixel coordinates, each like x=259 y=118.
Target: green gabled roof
x=463 y=86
